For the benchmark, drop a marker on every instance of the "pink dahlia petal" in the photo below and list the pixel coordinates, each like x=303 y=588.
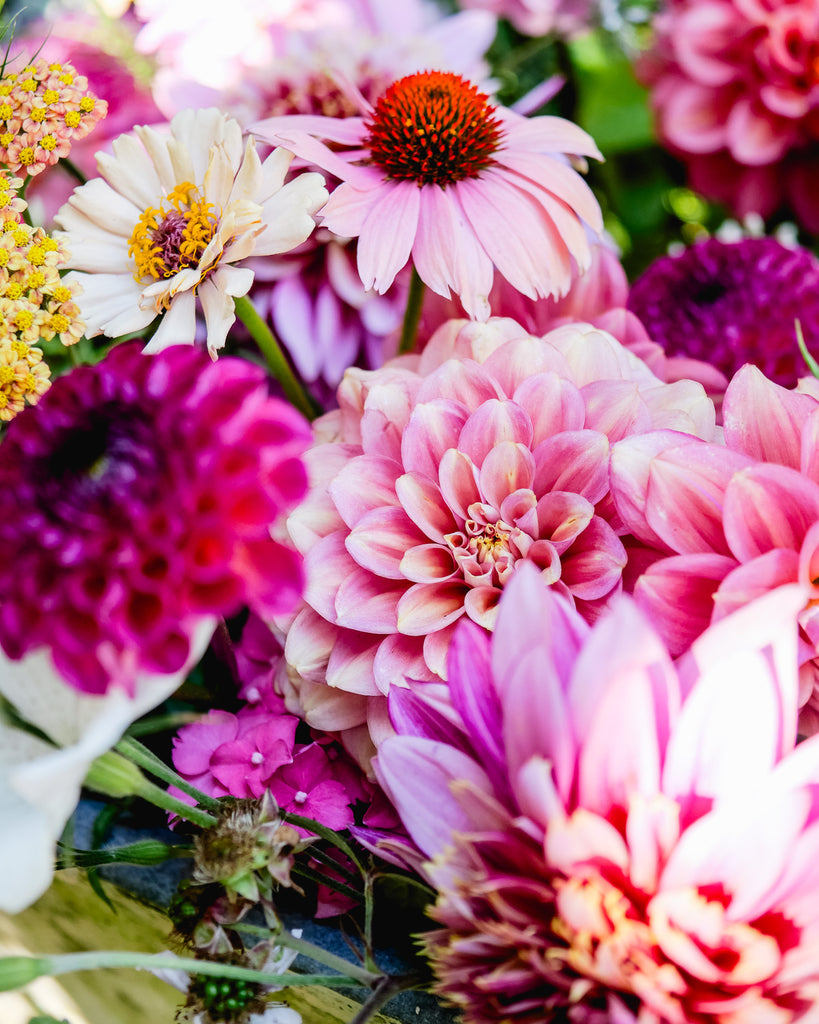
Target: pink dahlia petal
x=575 y=460
x=433 y=428
x=365 y=602
x=769 y=506
x=428 y=563
x=678 y=592
x=458 y=477
x=773 y=435
x=363 y=485
x=508 y=467
x=427 y=607
x=494 y=422
x=380 y=538
x=593 y=565
x=552 y=404
x=350 y=666
x=423 y=502
x=755 y=578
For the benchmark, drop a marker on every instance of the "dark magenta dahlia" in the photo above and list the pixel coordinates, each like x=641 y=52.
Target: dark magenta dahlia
x=731 y=303
x=138 y=498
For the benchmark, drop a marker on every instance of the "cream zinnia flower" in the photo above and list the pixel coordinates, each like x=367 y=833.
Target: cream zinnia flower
x=174 y=218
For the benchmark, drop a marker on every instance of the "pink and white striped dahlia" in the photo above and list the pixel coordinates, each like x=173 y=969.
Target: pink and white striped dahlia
x=437 y=477
x=616 y=838
x=436 y=174
x=732 y=521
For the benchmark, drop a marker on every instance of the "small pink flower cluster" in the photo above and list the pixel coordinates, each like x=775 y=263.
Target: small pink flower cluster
x=43 y=109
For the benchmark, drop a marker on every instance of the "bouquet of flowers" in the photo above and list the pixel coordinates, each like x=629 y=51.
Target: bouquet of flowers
x=409 y=499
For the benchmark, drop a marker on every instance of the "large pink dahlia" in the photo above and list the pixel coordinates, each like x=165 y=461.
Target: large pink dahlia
x=610 y=842
x=438 y=476
x=137 y=499
x=436 y=174
x=731 y=521
x=734 y=86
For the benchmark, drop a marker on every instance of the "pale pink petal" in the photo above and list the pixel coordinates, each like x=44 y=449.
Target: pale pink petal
x=432 y=429
x=351 y=661
x=508 y=467
x=491 y=424
x=573 y=460
x=769 y=506
x=387 y=234
x=366 y=602
x=362 y=485
x=427 y=607
x=380 y=539
x=425 y=506
x=764 y=420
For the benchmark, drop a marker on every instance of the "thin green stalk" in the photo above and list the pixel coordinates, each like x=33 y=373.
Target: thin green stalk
x=308 y=949
x=412 y=314
x=16 y=971
x=369 y=907
x=161 y=798
x=145 y=758
x=325 y=833
x=302 y=871
x=386 y=988
x=811 y=363
x=271 y=350
x=73 y=170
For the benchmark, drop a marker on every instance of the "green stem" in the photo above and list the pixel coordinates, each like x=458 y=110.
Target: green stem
x=386 y=988
x=271 y=350
x=412 y=314
x=369 y=907
x=73 y=170
x=68 y=963
x=160 y=798
x=325 y=833
x=308 y=949
x=145 y=758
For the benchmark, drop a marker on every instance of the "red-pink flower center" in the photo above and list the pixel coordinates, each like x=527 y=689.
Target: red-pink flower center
x=433 y=128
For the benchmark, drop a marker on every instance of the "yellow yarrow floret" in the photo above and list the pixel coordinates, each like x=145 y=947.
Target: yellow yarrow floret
x=43 y=111
x=35 y=305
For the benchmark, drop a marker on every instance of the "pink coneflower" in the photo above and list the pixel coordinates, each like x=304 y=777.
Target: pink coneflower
x=731 y=303
x=436 y=174
x=136 y=500
x=615 y=838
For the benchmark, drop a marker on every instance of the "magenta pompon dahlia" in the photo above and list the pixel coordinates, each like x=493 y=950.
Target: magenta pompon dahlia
x=731 y=303
x=436 y=174
x=734 y=88
x=610 y=843
x=729 y=522
x=437 y=476
x=138 y=498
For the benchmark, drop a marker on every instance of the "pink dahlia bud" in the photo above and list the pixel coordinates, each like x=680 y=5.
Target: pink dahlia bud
x=138 y=498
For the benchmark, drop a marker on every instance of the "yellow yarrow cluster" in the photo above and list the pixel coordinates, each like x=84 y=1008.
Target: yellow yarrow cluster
x=35 y=305
x=24 y=376
x=44 y=108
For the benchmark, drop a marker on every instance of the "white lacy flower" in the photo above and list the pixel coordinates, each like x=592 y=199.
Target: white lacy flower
x=39 y=781
x=175 y=216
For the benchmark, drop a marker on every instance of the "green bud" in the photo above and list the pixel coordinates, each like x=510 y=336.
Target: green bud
x=16 y=971
x=114 y=775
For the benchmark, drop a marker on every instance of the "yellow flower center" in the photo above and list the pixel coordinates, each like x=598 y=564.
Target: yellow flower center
x=172 y=236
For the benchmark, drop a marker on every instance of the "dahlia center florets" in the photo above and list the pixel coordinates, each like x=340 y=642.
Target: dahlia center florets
x=674 y=952
x=486 y=553
x=174 y=235
x=434 y=128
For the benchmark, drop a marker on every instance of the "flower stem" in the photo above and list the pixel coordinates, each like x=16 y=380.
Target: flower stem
x=386 y=988
x=271 y=350
x=412 y=314
x=308 y=949
x=141 y=755
x=325 y=833
x=160 y=798
x=18 y=970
